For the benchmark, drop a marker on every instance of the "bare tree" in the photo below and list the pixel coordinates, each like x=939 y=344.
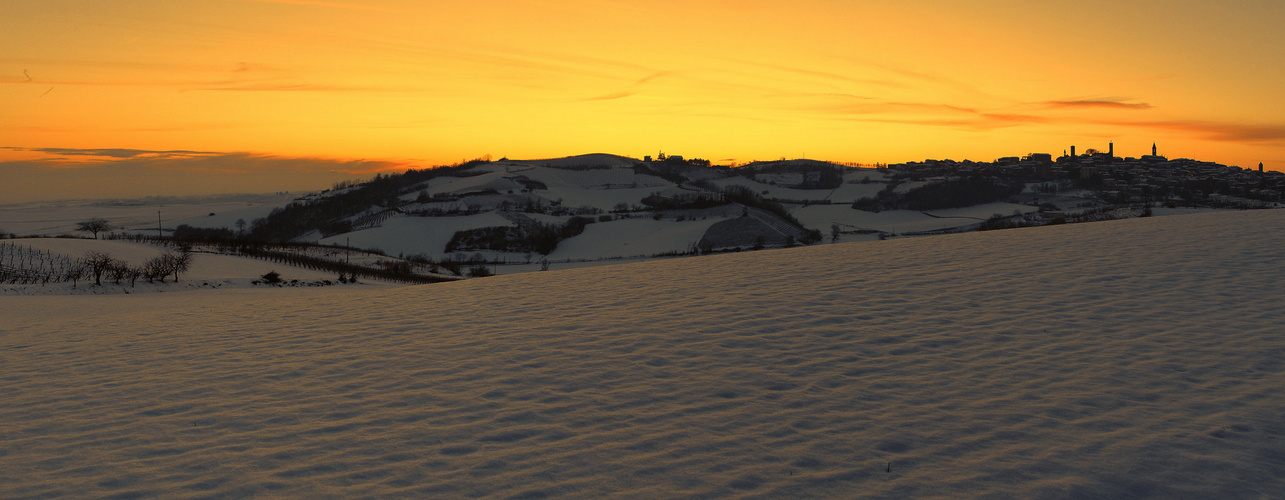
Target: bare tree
x=156 y=268
x=94 y=225
x=165 y=265
x=74 y=272
x=179 y=262
x=99 y=262
x=120 y=270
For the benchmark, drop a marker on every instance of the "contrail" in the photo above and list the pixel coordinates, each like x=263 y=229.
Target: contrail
x=24 y=73
x=51 y=89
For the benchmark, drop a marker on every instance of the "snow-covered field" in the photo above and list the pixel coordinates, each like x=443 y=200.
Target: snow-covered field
x=1129 y=359
x=415 y=235
x=901 y=221
x=632 y=238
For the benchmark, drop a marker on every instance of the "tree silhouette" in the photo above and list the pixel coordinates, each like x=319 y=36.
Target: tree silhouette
x=94 y=225
x=99 y=262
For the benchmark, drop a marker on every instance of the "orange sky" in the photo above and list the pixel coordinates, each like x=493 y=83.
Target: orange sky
x=265 y=95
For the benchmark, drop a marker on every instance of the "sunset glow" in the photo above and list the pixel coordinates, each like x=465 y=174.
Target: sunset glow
x=305 y=92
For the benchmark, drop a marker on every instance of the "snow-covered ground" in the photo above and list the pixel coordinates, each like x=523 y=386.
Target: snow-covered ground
x=1129 y=359
x=415 y=235
x=632 y=238
x=820 y=217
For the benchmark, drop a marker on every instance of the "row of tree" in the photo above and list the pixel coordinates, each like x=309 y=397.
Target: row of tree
x=538 y=238
x=100 y=264
x=24 y=265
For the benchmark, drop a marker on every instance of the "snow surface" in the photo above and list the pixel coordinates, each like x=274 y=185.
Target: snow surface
x=1140 y=358
x=632 y=238
x=416 y=235
x=820 y=217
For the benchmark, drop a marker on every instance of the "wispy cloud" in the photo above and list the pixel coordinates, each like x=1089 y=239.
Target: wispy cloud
x=115 y=152
x=1097 y=104
x=824 y=75
x=242 y=162
x=243 y=76
x=315 y=3
x=874 y=110
x=653 y=76
x=609 y=97
x=1213 y=131
x=284 y=87
x=632 y=90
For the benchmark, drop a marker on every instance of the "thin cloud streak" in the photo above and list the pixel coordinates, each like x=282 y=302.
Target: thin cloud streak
x=1097 y=104
x=628 y=93
x=113 y=152
x=823 y=74
x=1213 y=131
x=315 y=3
x=609 y=97
x=239 y=162
x=286 y=87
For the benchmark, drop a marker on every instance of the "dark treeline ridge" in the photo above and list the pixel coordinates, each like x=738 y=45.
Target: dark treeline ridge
x=730 y=194
x=298 y=218
x=538 y=238
x=954 y=193
x=395 y=273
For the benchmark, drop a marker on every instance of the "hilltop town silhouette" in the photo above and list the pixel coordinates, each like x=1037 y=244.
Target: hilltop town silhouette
x=1151 y=178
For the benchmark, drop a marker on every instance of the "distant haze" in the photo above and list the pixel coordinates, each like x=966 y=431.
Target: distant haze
x=96 y=174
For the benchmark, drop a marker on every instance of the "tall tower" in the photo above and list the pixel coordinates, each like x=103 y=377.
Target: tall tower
x=1260 y=167
x=1153 y=149
x=1072 y=150
x=1111 y=150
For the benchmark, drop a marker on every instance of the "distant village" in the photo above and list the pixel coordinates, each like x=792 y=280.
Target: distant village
x=1147 y=179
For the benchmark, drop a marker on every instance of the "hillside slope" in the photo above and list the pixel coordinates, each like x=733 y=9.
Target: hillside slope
x=1126 y=359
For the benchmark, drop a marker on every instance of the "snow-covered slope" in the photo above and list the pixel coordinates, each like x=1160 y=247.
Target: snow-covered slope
x=415 y=235
x=1128 y=359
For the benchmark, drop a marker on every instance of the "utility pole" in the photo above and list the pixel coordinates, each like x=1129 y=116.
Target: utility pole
x=158 y=224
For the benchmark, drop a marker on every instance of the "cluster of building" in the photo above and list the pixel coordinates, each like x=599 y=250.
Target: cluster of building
x=1148 y=178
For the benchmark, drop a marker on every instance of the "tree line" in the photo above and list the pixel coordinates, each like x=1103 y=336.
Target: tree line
x=953 y=193
x=24 y=265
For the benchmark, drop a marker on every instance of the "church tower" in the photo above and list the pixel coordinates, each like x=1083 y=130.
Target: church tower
x=1153 y=149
